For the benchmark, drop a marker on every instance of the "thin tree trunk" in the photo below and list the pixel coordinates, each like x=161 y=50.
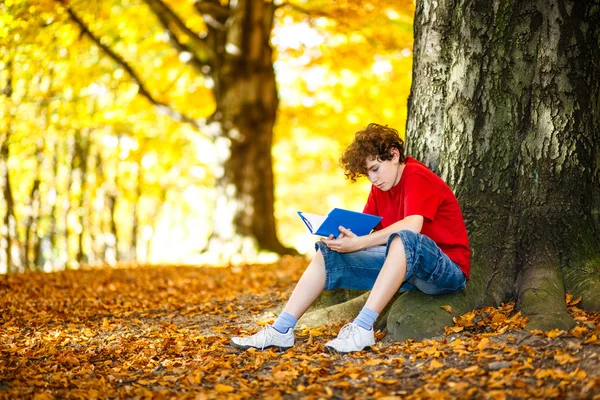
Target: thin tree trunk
x=9 y=221
x=9 y=228
x=111 y=200
x=68 y=201
x=82 y=151
x=136 y=207
x=53 y=200
x=34 y=211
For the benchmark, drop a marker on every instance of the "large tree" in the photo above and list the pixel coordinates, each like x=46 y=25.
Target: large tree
x=505 y=107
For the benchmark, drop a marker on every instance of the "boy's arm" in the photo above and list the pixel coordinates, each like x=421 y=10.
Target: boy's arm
x=412 y=223
x=348 y=242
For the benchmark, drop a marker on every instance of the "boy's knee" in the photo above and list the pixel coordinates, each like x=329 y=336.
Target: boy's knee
x=408 y=234
x=407 y=237
x=396 y=243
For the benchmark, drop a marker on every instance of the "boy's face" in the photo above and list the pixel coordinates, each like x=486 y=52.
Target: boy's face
x=384 y=174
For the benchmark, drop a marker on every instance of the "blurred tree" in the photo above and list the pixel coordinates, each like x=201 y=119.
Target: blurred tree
x=232 y=50
x=235 y=56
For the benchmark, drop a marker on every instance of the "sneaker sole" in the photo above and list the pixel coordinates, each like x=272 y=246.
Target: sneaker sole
x=333 y=351
x=241 y=347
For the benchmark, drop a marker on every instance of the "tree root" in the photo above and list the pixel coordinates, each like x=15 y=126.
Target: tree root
x=330 y=298
x=583 y=280
x=417 y=315
x=541 y=296
x=342 y=312
x=326 y=299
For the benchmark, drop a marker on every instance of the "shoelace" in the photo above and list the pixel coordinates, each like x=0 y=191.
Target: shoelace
x=347 y=331
x=267 y=335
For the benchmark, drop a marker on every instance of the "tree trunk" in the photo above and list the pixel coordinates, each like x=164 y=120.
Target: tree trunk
x=111 y=249
x=80 y=163
x=504 y=106
x=53 y=199
x=32 y=243
x=246 y=99
x=9 y=220
x=68 y=200
x=9 y=228
x=135 y=223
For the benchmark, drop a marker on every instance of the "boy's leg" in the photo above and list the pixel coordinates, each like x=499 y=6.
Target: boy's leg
x=281 y=333
x=308 y=288
x=359 y=334
x=390 y=278
x=413 y=259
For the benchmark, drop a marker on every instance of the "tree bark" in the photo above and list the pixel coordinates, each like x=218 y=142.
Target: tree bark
x=504 y=106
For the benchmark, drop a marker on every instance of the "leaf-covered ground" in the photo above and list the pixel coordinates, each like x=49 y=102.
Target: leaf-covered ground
x=163 y=332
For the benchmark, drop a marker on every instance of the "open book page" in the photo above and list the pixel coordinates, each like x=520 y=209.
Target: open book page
x=313 y=221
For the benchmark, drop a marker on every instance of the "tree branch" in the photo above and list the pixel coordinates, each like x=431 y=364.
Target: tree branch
x=142 y=90
x=166 y=16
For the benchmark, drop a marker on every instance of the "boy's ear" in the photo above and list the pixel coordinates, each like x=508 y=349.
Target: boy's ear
x=395 y=153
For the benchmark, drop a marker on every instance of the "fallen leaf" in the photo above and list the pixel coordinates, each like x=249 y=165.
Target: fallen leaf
x=447 y=308
x=591 y=340
x=220 y=388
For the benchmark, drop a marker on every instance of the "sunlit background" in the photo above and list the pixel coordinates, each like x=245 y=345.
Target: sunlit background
x=105 y=160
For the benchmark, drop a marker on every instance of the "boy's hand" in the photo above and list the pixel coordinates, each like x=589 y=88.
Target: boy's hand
x=346 y=242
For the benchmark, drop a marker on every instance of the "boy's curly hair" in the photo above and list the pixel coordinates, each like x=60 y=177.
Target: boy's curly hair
x=373 y=141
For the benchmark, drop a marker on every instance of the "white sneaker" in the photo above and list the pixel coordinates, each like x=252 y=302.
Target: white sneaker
x=264 y=339
x=352 y=338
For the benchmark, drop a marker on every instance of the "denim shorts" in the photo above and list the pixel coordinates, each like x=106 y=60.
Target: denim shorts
x=428 y=269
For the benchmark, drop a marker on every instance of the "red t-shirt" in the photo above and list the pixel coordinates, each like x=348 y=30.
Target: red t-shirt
x=421 y=192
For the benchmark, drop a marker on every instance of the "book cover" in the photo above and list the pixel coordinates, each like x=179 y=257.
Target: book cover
x=324 y=225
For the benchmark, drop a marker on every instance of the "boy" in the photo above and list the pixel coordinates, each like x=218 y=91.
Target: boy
x=421 y=243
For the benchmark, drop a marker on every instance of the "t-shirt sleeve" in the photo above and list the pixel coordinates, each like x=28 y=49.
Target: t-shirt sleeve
x=421 y=196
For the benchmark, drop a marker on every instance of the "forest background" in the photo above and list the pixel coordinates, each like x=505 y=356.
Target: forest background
x=107 y=153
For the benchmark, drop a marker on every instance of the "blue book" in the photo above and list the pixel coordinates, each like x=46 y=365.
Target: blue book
x=359 y=223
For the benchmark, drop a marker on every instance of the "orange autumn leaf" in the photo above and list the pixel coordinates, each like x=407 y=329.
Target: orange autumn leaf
x=591 y=340
x=447 y=308
x=570 y=302
x=220 y=388
x=386 y=381
x=554 y=333
x=578 y=331
x=564 y=358
x=483 y=344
